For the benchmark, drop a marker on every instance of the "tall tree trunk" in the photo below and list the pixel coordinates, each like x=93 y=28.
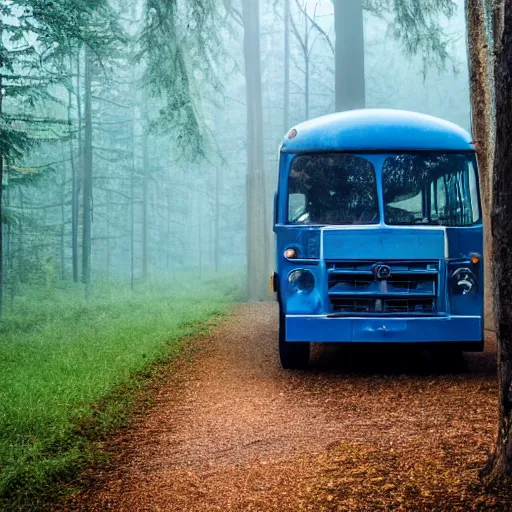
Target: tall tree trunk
x=62 y=224
x=80 y=166
x=257 y=208
x=217 y=220
x=8 y=241
x=2 y=49
x=349 y=55
x=286 y=99
x=74 y=192
x=211 y=245
x=481 y=120
x=500 y=464
x=132 y=208
x=168 y=232
x=200 y=238
x=145 y=177
x=21 y=249
x=87 y=174
x=108 y=237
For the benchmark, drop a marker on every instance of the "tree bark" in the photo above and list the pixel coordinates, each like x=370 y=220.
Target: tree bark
x=481 y=96
x=498 y=21
x=257 y=221
x=87 y=174
x=349 y=55
x=480 y=93
x=500 y=464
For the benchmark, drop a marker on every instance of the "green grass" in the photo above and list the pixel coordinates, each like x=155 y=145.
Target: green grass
x=69 y=369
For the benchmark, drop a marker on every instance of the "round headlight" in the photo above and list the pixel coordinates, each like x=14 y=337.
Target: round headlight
x=301 y=281
x=464 y=281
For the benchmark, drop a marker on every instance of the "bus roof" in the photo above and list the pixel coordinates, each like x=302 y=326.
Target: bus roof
x=378 y=130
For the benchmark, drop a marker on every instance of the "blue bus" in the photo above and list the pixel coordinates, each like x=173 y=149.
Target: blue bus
x=379 y=234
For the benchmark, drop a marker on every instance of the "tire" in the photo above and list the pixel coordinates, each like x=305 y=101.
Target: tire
x=292 y=355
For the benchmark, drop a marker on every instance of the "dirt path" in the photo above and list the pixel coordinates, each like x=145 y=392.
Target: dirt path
x=231 y=431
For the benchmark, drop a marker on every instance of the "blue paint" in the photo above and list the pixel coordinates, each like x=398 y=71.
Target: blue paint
x=378 y=130
x=451 y=329
x=420 y=302
x=384 y=243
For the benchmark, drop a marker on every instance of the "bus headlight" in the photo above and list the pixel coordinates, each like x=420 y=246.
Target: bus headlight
x=301 y=281
x=464 y=281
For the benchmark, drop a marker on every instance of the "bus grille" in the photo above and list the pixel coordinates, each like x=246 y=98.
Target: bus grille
x=411 y=289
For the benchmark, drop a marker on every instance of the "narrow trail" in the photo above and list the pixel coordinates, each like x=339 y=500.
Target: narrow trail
x=359 y=431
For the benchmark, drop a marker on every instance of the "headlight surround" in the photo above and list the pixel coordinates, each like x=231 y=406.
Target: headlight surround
x=463 y=281
x=301 y=281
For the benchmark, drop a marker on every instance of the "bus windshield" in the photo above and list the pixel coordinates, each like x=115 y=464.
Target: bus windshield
x=430 y=188
x=332 y=189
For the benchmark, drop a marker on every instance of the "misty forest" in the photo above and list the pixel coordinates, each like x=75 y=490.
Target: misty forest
x=138 y=163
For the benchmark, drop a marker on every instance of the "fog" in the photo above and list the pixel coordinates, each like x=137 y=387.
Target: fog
x=127 y=138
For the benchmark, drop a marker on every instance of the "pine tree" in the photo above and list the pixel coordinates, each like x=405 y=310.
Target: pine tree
x=34 y=56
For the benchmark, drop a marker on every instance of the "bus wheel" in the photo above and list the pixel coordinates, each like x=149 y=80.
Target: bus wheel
x=292 y=355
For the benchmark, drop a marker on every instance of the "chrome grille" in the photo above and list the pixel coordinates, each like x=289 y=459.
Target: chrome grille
x=412 y=288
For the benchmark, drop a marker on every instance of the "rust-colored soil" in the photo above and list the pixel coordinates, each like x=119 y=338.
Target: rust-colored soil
x=359 y=431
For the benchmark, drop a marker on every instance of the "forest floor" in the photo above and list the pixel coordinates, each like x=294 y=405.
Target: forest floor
x=359 y=431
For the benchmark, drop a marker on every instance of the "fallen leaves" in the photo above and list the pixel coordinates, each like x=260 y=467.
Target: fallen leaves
x=244 y=436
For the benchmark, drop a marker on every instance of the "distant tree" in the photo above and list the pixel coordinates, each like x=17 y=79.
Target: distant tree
x=74 y=172
x=307 y=37
x=180 y=49
x=87 y=171
x=500 y=463
x=286 y=92
x=413 y=23
x=145 y=189
x=34 y=51
x=350 y=89
x=257 y=209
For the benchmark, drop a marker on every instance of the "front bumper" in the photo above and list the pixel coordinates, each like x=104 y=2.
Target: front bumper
x=448 y=329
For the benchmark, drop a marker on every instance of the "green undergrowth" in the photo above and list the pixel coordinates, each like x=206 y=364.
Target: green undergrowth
x=70 y=369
